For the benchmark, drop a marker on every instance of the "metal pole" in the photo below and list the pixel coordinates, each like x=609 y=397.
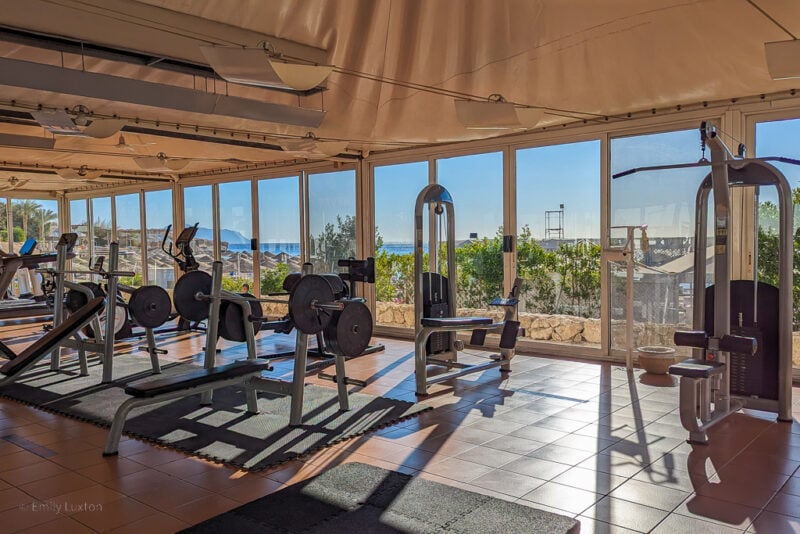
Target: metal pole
x=212 y=326
x=111 y=311
x=58 y=304
x=629 y=300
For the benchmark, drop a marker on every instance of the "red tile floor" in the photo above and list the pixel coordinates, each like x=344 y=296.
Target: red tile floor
x=582 y=439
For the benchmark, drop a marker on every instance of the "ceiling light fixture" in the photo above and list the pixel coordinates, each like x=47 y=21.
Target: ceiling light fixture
x=496 y=113
x=783 y=59
x=264 y=67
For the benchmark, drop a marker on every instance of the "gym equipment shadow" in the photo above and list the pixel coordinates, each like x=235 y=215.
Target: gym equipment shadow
x=223 y=432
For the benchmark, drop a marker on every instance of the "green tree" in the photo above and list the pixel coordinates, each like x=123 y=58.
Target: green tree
x=22 y=211
x=579 y=268
x=334 y=243
x=45 y=219
x=272 y=278
x=535 y=265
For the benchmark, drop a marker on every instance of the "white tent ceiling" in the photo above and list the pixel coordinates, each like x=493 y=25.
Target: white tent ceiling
x=398 y=65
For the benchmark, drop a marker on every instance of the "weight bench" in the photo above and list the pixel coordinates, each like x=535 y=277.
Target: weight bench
x=26 y=359
x=701 y=380
x=175 y=387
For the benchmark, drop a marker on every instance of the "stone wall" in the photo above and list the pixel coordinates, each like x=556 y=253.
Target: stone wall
x=543 y=327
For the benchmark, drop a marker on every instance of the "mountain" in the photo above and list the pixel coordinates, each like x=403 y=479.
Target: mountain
x=232 y=237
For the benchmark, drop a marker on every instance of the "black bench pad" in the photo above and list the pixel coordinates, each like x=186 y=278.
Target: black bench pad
x=54 y=337
x=466 y=322
x=696 y=368
x=193 y=379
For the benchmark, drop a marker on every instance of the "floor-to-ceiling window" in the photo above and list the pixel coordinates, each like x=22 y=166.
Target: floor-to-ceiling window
x=35 y=219
x=158 y=216
x=235 y=232
x=198 y=208
x=79 y=224
x=558 y=242
x=663 y=203
x=101 y=227
x=129 y=237
x=331 y=218
x=278 y=236
x=396 y=190
x=779 y=138
x=476 y=184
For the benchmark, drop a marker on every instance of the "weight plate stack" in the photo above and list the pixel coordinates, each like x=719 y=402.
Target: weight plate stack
x=308 y=290
x=231 y=323
x=150 y=306
x=350 y=329
x=184 y=293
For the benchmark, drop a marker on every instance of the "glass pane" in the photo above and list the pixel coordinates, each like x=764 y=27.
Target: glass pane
x=35 y=219
x=558 y=242
x=79 y=224
x=396 y=190
x=198 y=208
x=101 y=226
x=236 y=229
x=279 y=236
x=779 y=138
x=664 y=201
x=331 y=219
x=158 y=216
x=129 y=237
x=476 y=185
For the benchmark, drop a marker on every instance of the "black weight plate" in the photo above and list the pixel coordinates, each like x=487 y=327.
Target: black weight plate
x=150 y=306
x=309 y=289
x=121 y=323
x=74 y=300
x=350 y=330
x=187 y=286
x=337 y=284
x=231 y=325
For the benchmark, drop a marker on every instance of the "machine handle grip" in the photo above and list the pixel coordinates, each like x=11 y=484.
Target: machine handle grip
x=740 y=344
x=691 y=338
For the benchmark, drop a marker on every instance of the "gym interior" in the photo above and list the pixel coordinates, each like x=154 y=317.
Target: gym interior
x=397 y=266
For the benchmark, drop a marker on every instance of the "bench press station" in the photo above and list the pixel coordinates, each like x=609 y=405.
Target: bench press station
x=310 y=304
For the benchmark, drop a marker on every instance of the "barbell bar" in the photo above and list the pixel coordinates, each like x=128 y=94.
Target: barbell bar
x=310 y=300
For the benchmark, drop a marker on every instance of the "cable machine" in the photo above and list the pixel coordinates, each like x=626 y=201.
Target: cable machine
x=436 y=324
x=742 y=328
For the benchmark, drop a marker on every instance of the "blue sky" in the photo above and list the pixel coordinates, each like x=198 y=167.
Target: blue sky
x=547 y=176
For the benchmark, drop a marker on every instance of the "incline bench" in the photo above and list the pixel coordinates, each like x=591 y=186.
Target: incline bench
x=19 y=363
x=175 y=387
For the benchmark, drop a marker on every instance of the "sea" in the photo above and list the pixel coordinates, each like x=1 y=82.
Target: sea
x=293 y=249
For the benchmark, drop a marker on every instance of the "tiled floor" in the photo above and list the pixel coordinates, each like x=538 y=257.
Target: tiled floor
x=583 y=439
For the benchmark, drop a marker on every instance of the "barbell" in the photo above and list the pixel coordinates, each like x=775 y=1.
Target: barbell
x=311 y=302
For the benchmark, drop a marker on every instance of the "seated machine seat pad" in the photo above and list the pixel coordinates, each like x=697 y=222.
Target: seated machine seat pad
x=196 y=378
x=696 y=368
x=54 y=337
x=466 y=322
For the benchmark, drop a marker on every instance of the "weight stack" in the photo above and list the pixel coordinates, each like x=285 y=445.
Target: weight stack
x=434 y=304
x=756 y=375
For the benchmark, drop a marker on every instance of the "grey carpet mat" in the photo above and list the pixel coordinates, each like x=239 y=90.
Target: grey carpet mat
x=223 y=432
x=355 y=497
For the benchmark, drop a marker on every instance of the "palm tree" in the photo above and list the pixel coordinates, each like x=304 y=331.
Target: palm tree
x=25 y=209
x=46 y=219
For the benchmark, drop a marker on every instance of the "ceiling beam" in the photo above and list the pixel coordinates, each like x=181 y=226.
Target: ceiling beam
x=40 y=77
